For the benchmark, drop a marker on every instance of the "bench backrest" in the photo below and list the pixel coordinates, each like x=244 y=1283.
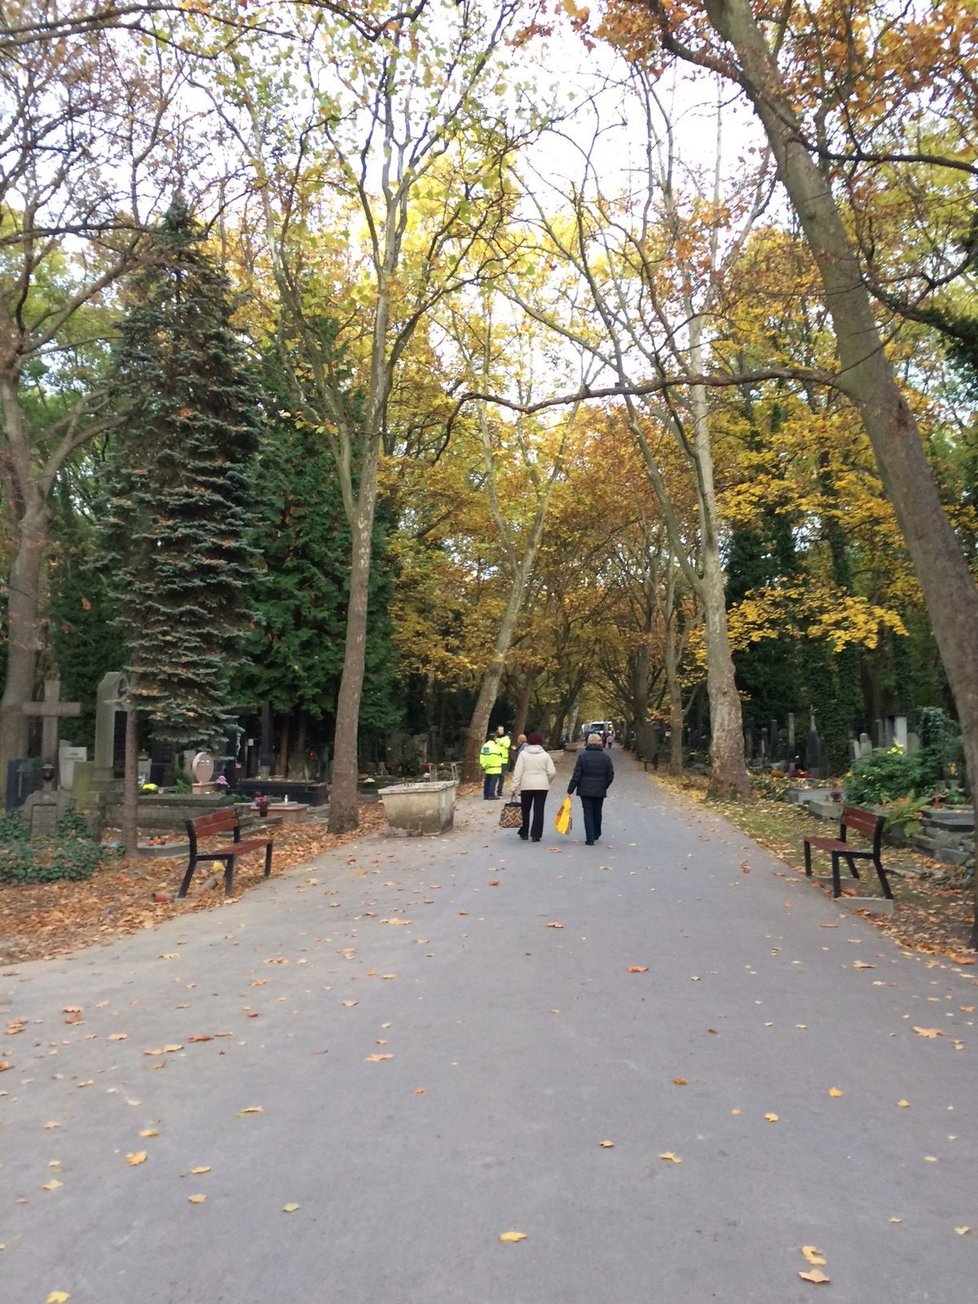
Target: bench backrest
x=214 y=822
x=863 y=821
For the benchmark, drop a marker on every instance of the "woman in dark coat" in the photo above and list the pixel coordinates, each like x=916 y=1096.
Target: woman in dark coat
x=593 y=776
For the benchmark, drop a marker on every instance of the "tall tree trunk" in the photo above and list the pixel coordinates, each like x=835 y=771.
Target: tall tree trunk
x=728 y=765
x=523 y=703
x=479 y=723
x=867 y=376
x=675 y=691
x=23 y=632
x=343 y=794
x=130 y=782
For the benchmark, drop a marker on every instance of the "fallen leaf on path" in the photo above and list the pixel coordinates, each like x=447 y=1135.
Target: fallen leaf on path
x=813 y=1256
x=606 y=1145
x=903 y=1104
x=638 y=968
x=510 y=1238
x=834 y=1091
x=396 y=923
x=58 y=1297
x=250 y=1109
x=818 y=1278
x=201 y=1168
x=861 y=964
x=136 y=1157
x=772 y=1118
x=554 y=924
x=680 y=1082
x=928 y=1032
x=290 y=1208
x=962 y=1231
x=376 y=1059
x=150 y=1131
x=196 y=1199
x=670 y=1157
x=52 y=1185
x=349 y=1004
x=118 y=1036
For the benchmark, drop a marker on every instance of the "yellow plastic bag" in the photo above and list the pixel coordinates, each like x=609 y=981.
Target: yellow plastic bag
x=562 y=820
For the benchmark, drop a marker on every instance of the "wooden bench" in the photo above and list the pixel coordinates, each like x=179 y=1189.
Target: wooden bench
x=861 y=821
x=214 y=824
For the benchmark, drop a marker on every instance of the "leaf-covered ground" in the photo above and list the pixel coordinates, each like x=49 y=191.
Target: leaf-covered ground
x=933 y=903
x=933 y=911
x=48 y=919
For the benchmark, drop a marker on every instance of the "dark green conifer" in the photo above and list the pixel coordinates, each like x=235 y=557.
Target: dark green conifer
x=179 y=512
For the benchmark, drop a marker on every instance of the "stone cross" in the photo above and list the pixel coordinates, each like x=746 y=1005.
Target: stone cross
x=51 y=709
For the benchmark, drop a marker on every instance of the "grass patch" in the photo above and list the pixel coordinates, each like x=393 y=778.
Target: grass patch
x=934 y=908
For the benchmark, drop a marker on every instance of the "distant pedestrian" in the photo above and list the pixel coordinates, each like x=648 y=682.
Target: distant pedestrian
x=492 y=767
x=503 y=744
x=593 y=776
x=532 y=777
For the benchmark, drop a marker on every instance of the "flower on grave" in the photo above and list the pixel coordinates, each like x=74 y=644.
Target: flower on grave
x=149 y=788
x=221 y=781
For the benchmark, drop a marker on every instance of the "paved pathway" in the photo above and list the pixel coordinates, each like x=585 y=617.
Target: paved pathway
x=429 y=1062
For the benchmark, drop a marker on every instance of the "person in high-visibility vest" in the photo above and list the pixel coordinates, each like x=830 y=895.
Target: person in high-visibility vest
x=492 y=766
x=503 y=746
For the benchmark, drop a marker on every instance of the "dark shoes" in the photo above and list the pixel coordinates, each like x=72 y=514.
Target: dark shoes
x=534 y=839
x=524 y=836
x=588 y=842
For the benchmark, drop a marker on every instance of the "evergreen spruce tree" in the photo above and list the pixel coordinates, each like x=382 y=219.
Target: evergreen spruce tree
x=176 y=548
x=294 y=651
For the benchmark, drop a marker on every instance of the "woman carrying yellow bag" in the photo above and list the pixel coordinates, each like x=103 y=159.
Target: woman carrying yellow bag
x=562 y=820
x=593 y=776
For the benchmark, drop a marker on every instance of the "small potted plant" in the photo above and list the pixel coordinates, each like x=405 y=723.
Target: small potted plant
x=261 y=802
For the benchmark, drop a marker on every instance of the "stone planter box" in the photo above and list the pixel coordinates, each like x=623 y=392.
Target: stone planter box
x=419 y=807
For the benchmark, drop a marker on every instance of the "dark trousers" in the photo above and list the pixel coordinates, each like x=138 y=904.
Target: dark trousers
x=489 y=786
x=533 y=800
x=592 y=817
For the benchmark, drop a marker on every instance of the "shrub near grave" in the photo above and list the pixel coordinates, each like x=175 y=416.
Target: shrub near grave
x=70 y=854
x=885 y=775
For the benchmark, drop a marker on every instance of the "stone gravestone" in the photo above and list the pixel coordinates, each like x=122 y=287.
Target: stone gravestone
x=50 y=710
x=95 y=780
x=895 y=731
x=44 y=808
x=813 y=754
x=67 y=758
x=110 y=702
x=865 y=745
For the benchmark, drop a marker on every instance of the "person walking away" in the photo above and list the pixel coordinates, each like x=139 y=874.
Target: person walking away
x=492 y=767
x=593 y=776
x=503 y=743
x=534 y=773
